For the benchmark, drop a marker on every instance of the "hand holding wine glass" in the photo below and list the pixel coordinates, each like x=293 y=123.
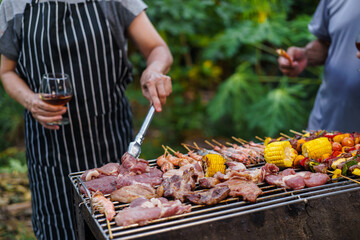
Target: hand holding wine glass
x=56 y=89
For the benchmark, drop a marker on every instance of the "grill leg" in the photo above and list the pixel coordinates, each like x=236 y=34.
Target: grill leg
x=79 y=220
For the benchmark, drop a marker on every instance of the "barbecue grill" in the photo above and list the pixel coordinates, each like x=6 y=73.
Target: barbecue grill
x=330 y=211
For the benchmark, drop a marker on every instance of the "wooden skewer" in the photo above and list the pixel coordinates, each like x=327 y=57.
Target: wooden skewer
x=346 y=177
x=243 y=140
x=237 y=140
x=230 y=144
x=172 y=150
x=304 y=131
x=284 y=135
x=108 y=225
x=206 y=141
x=259 y=138
x=184 y=145
x=197 y=147
x=295 y=132
x=216 y=142
x=189 y=146
x=164 y=149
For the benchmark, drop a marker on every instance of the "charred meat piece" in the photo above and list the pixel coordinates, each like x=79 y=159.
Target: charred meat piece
x=208 y=182
x=178 y=186
x=128 y=194
x=209 y=197
x=239 y=187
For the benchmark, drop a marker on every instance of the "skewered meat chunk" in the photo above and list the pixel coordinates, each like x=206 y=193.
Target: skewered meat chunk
x=209 y=197
x=128 y=194
x=103 y=205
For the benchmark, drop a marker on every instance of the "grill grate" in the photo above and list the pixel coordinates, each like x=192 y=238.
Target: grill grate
x=272 y=197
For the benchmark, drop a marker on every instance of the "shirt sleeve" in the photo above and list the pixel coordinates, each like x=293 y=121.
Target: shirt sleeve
x=320 y=21
x=132 y=8
x=10 y=27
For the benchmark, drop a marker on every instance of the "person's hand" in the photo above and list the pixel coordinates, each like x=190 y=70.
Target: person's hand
x=156 y=87
x=298 y=65
x=45 y=113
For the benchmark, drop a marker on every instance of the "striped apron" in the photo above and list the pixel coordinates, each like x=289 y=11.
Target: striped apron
x=74 y=38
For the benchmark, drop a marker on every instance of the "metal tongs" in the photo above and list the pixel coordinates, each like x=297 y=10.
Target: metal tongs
x=135 y=146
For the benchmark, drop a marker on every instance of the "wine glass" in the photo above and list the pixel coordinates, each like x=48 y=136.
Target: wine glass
x=357 y=44
x=56 y=89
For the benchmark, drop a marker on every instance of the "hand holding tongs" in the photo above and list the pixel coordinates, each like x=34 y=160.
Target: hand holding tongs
x=135 y=146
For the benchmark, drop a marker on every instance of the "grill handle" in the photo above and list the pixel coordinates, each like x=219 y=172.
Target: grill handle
x=87 y=192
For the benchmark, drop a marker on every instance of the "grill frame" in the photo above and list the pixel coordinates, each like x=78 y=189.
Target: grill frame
x=202 y=216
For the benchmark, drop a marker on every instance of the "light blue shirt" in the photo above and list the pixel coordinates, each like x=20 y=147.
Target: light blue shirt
x=337 y=104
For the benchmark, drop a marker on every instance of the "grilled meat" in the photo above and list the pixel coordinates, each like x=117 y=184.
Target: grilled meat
x=128 y=194
x=209 y=197
x=289 y=179
x=105 y=185
x=110 y=169
x=239 y=187
x=141 y=211
x=153 y=177
x=129 y=164
x=103 y=205
x=178 y=186
x=208 y=182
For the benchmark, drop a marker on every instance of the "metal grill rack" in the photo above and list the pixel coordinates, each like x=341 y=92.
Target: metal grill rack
x=201 y=216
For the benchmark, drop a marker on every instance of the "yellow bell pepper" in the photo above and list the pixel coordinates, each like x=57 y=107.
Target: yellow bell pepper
x=337 y=174
x=356 y=172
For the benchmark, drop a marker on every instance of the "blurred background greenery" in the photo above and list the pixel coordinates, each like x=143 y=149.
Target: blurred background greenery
x=225 y=78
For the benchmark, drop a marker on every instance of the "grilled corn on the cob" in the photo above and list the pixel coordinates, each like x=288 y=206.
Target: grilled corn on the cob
x=316 y=148
x=280 y=153
x=213 y=163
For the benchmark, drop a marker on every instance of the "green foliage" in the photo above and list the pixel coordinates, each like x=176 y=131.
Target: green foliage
x=13 y=160
x=225 y=74
x=279 y=110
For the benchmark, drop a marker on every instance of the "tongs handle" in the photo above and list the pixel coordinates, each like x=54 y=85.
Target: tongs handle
x=145 y=125
x=135 y=146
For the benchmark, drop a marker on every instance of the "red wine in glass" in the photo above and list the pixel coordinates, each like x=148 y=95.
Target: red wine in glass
x=357 y=44
x=57 y=100
x=56 y=89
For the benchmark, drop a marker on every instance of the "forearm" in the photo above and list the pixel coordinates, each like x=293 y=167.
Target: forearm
x=316 y=52
x=159 y=60
x=17 y=88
